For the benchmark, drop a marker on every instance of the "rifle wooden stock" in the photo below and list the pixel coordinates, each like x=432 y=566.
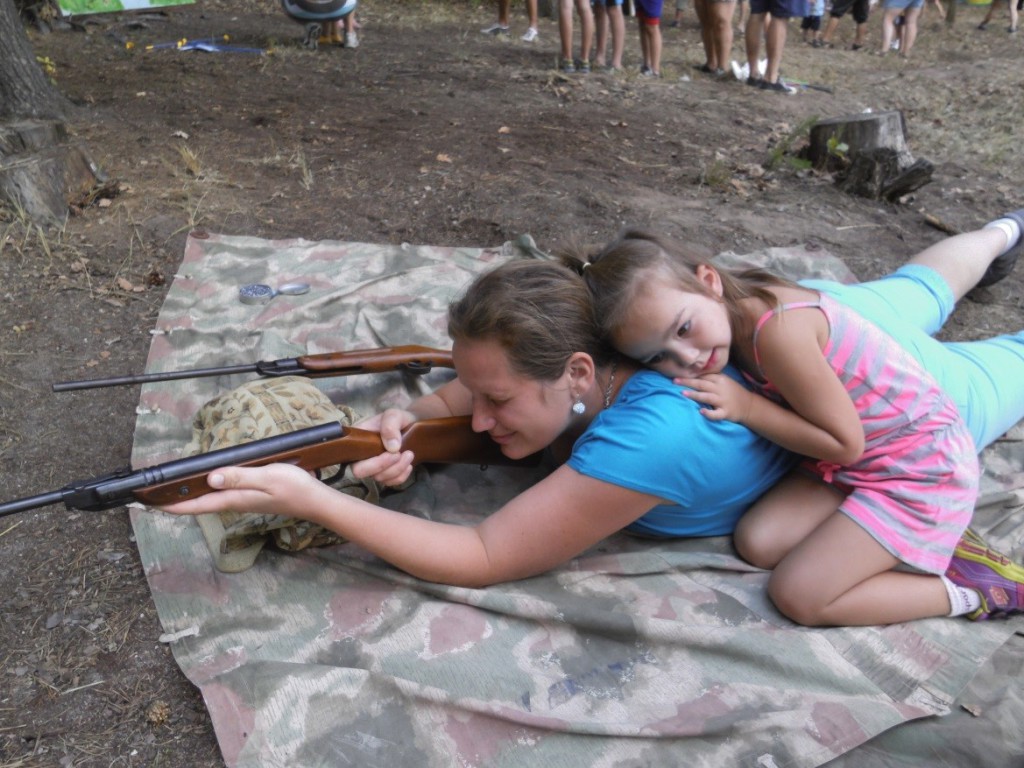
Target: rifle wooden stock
x=433 y=441
x=410 y=358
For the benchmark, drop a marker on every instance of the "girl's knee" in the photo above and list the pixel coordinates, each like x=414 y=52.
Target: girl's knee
x=755 y=544
x=796 y=603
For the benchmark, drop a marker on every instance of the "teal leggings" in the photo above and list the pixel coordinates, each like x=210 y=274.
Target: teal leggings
x=984 y=378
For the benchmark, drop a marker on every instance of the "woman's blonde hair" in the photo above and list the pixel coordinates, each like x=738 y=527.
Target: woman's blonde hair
x=539 y=312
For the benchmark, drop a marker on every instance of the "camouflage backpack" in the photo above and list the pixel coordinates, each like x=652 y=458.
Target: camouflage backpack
x=259 y=409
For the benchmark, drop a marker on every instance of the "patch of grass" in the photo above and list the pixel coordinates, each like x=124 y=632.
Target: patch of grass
x=716 y=175
x=191 y=161
x=782 y=152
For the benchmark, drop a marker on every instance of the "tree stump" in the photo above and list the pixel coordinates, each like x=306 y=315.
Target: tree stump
x=42 y=168
x=870 y=155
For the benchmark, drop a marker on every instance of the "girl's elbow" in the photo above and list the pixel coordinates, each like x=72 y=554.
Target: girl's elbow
x=850 y=453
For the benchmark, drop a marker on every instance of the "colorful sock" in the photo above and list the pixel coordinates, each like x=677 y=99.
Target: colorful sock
x=962 y=600
x=1010 y=228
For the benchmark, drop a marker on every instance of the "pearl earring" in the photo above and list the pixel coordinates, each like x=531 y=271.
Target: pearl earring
x=578 y=407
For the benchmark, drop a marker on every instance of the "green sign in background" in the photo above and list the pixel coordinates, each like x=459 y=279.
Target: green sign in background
x=78 y=7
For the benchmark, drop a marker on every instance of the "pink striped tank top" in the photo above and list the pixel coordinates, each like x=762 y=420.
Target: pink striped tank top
x=914 y=487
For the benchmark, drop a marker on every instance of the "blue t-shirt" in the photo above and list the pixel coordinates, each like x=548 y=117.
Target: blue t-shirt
x=655 y=441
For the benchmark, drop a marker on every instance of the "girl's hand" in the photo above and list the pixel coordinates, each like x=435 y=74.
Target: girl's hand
x=274 y=489
x=395 y=466
x=723 y=396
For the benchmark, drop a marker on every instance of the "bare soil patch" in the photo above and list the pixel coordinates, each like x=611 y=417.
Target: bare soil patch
x=429 y=132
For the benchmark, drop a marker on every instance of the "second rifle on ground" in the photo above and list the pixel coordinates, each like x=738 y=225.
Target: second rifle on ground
x=410 y=358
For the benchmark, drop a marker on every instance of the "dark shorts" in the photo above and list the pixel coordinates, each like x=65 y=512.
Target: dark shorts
x=781 y=9
x=812 y=23
x=860 y=9
x=649 y=11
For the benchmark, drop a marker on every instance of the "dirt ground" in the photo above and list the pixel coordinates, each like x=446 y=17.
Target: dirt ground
x=428 y=132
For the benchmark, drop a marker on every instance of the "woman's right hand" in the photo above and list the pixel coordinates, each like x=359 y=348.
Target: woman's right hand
x=395 y=465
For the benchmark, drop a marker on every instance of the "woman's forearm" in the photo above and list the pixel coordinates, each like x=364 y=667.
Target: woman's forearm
x=432 y=551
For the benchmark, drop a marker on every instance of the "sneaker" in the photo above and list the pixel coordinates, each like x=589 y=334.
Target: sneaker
x=583 y=67
x=983 y=26
x=645 y=70
x=997 y=579
x=567 y=66
x=351 y=40
x=1003 y=265
x=530 y=35
x=779 y=86
x=495 y=29
x=754 y=81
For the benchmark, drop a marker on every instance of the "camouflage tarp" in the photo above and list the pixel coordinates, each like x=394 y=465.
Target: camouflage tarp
x=635 y=653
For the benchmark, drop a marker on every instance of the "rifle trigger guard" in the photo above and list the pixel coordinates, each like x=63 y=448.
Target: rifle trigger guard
x=275 y=368
x=418 y=368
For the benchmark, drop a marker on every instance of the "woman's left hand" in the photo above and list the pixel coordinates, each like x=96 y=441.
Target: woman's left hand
x=723 y=397
x=274 y=489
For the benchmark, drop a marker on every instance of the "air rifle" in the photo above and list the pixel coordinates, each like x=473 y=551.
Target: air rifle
x=411 y=358
x=443 y=441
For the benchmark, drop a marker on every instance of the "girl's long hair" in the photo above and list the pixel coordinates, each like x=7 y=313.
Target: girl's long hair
x=616 y=273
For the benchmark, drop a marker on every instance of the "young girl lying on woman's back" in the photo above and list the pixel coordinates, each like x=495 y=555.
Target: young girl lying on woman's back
x=894 y=473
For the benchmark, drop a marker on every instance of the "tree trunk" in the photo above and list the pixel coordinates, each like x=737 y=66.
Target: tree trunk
x=860 y=133
x=41 y=167
x=869 y=154
x=24 y=89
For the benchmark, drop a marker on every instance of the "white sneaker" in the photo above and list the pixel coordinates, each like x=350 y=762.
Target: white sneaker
x=351 y=40
x=495 y=29
x=530 y=35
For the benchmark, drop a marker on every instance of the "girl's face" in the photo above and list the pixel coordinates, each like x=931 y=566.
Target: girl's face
x=521 y=415
x=674 y=331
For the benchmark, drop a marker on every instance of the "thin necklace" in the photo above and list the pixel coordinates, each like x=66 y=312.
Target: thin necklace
x=611 y=379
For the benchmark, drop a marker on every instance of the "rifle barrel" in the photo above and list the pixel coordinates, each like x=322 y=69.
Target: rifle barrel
x=32 y=502
x=146 y=378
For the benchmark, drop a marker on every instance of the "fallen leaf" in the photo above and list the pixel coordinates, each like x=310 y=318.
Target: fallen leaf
x=443 y=158
x=504 y=129
x=124 y=285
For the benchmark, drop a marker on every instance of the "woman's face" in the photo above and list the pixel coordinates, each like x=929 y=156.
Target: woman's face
x=677 y=332
x=521 y=415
